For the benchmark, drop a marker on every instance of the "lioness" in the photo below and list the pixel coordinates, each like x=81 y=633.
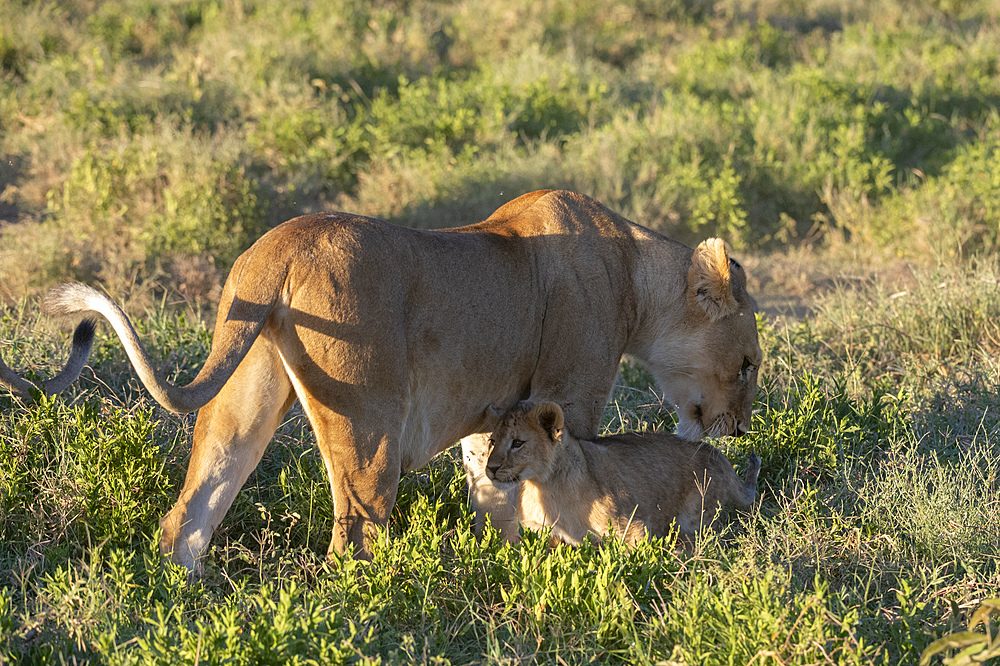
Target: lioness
x=397 y=341
x=83 y=338
x=632 y=484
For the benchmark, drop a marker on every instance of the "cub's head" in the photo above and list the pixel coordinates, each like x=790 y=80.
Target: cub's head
x=524 y=443
x=707 y=366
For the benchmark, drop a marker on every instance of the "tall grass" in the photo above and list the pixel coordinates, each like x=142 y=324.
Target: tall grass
x=151 y=141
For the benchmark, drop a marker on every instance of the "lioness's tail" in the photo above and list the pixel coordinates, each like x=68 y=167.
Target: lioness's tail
x=233 y=338
x=83 y=338
x=748 y=492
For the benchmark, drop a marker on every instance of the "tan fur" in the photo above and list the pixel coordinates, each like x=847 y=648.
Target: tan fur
x=708 y=279
x=630 y=485
x=83 y=338
x=397 y=342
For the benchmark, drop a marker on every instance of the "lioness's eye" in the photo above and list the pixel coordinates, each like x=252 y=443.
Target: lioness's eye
x=516 y=444
x=747 y=368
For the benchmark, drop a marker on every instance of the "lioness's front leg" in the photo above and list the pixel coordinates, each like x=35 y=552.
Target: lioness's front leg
x=487 y=499
x=230 y=437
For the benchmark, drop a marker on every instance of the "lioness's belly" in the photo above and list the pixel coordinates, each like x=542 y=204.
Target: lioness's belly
x=435 y=421
x=420 y=440
x=415 y=441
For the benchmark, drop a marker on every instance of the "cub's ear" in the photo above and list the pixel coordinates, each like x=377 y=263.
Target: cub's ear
x=550 y=418
x=709 y=285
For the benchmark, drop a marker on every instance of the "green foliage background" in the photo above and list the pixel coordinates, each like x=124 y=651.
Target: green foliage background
x=143 y=139
x=145 y=144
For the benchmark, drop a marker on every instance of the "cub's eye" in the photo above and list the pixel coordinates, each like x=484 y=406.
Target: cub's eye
x=516 y=444
x=491 y=442
x=747 y=368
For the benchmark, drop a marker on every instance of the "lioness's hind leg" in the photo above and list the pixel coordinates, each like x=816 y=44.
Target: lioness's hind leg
x=230 y=437
x=362 y=458
x=487 y=500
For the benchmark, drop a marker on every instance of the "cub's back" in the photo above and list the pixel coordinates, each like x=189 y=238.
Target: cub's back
x=653 y=452
x=654 y=463
x=665 y=479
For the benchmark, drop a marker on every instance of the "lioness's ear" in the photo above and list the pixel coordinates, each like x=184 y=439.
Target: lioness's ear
x=709 y=281
x=550 y=417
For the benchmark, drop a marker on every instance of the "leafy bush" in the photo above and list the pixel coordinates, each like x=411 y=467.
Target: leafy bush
x=309 y=151
x=974 y=648
x=149 y=201
x=670 y=178
x=955 y=212
x=69 y=475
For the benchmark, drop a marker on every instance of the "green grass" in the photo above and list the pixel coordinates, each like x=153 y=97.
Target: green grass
x=144 y=144
x=875 y=534
x=142 y=139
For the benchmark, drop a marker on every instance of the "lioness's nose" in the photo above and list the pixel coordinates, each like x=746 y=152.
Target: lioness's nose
x=741 y=428
x=491 y=471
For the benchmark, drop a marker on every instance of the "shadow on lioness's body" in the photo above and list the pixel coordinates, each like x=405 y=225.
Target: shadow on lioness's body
x=631 y=484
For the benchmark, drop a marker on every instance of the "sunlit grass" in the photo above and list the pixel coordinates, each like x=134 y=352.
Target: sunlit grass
x=145 y=144
x=146 y=139
x=873 y=526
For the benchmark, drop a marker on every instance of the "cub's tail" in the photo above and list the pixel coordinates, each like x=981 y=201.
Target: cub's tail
x=252 y=291
x=83 y=338
x=748 y=492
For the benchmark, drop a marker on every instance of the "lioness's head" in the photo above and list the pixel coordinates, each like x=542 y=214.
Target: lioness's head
x=709 y=371
x=524 y=443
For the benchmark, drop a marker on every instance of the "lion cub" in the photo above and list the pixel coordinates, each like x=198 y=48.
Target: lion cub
x=636 y=483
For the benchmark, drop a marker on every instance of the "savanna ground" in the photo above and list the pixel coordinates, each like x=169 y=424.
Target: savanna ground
x=848 y=151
